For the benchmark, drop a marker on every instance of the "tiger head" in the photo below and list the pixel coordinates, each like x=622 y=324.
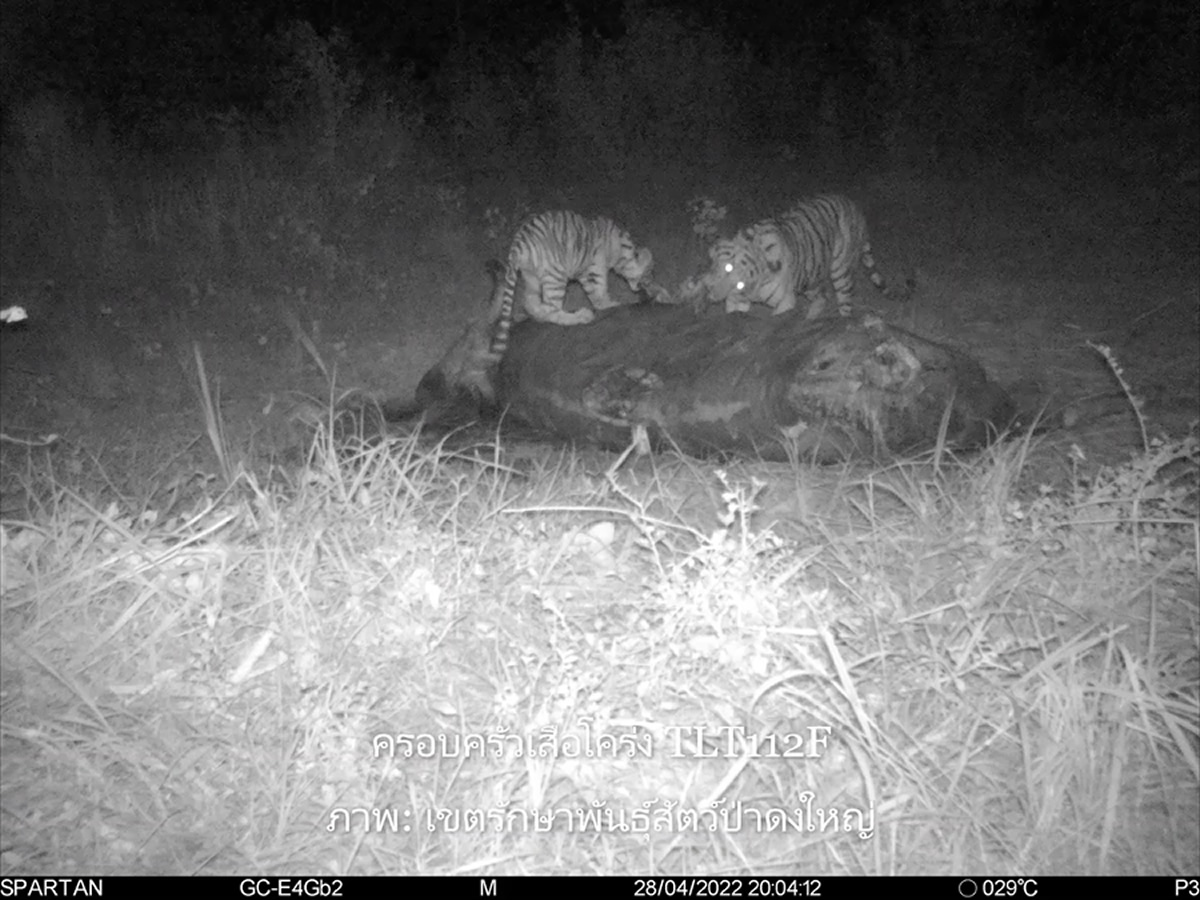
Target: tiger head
x=736 y=272
x=635 y=266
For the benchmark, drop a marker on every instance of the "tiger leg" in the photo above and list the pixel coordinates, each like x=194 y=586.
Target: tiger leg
x=868 y=262
x=843 y=291
x=595 y=285
x=785 y=303
x=528 y=304
x=816 y=303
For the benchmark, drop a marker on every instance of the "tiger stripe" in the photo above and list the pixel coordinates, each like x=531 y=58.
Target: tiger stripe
x=557 y=247
x=548 y=251
x=813 y=246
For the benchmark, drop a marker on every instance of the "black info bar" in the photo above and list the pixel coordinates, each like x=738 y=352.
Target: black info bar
x=737 y=887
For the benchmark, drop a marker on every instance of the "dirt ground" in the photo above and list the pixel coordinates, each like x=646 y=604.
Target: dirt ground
x=1022 y=271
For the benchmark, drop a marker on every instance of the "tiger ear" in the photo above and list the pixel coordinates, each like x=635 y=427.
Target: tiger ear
x=644 y=257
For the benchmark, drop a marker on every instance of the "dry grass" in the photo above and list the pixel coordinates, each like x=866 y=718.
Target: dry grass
x=418 y=660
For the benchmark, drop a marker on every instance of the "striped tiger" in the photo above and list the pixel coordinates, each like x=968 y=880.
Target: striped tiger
x=556 y=247
x=814 y=245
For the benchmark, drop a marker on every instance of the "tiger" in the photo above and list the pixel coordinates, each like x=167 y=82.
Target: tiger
x=556 y=247
x=816 y=243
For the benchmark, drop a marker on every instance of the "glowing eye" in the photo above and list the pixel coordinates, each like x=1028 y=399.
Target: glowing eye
x=741 y=285
x=728 y=268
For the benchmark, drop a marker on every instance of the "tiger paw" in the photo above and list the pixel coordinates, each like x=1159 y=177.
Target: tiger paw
x=578 y=317
x=691 y=289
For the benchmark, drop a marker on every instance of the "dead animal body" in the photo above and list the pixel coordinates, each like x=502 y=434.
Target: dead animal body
x=822 y=390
